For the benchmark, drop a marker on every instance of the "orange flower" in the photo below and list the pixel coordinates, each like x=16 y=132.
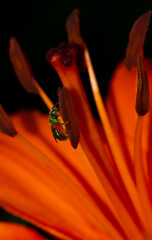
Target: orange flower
x=101 y=189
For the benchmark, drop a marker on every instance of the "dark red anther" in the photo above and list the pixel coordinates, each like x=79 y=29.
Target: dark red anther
x=22 y=66
x=69 y=116
x=136 y=40
x=74 y=36
x=6 y=125
x=73 y=28
x=142 y=99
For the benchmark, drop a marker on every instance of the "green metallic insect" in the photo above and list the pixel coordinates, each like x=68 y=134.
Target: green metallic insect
x=58 y=131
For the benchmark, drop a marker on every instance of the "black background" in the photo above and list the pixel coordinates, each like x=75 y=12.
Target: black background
x=40 y=25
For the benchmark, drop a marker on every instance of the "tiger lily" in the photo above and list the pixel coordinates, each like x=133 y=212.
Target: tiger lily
x=101 y=188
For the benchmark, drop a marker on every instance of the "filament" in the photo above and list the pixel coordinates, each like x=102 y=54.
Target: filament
x=140 y=177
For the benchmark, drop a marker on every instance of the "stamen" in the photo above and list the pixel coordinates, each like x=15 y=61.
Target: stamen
x=24 y=72
x=75 y=36
x=136 y=40
x=140 y=176
x=70 y=78
x=113 y=141
x=43 y=95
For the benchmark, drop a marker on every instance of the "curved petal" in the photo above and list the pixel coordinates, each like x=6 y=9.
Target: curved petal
x=11 y=231
x=28 y=186
x=35 y=127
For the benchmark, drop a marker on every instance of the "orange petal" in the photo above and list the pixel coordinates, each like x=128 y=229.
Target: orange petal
x=35 y=197
x=122 y=95
x=30 y=183
x=10 y=231
x=121 y=106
